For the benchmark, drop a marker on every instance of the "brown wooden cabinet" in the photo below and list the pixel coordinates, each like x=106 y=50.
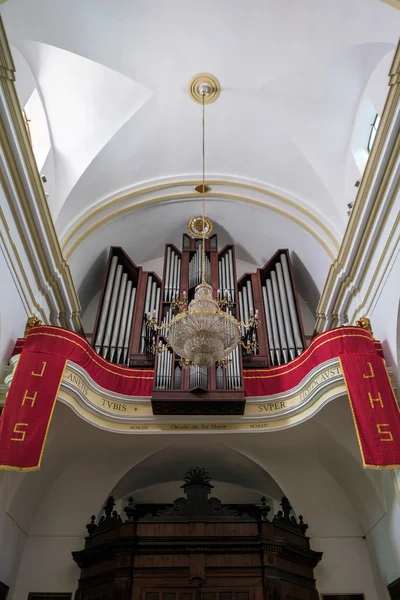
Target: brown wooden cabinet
x=197 y=549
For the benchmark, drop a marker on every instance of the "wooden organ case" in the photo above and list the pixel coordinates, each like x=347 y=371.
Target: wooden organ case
x=130 y=294
x=197 y=549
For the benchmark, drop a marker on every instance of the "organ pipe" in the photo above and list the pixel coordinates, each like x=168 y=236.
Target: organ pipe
x=230 y=256
x=274 y=322
x=271 y=341
x=282 y=320
x=279 y=315
x=128 y=326
x=117 y=323
x=167 y=270
x=111 y=315
x=106 y=304
x=285 y=310
x=292 y=306
x=124 y=319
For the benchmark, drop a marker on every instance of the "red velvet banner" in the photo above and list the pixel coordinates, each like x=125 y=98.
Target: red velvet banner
x=30 y=401
x=71 y=346
x=27 y=412
x=333 y=343
x=375 y=411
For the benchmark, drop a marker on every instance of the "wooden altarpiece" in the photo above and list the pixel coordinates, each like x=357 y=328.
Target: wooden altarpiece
x=197 y=549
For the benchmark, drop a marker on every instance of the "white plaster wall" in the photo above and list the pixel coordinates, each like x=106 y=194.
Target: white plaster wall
x=385 y=313
x=47 y=566
x=384 y=538
x=12 y=535
x=76 y=478
x=12 y=313
x=345 y=567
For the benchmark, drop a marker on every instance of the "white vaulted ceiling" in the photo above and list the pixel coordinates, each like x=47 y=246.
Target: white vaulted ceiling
x=113 y=79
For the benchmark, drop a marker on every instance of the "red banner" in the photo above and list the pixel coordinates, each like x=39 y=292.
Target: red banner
x=28 y=410
x=71 y=346
x=333 y=343
x=375 y=411
x=30 y=401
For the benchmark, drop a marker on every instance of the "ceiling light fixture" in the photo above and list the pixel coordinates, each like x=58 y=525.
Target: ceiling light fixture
x=205 y=332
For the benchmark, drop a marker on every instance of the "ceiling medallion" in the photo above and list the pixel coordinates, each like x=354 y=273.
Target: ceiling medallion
x=204 y=331
x=204 y=82
x=199 y=226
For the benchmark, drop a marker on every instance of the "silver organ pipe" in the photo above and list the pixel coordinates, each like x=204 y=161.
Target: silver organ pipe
x=241 y=308
x=151 y=307
x=111 y=314
x=198 y=262
x=230 y=256
x=198 y=377
x=175 y=281
x=117 y=323
x=178 y=377
x=164 y=368
x=128 y=328
x=274 y=322
x=223 y=278
x=236 y=362
x=167 y=270
x=172 y=275
x=220 y=378
x=285 y=310
x=292 y=307
x=245 y=305
x=106 y=304
x=146 y=312
x=116 y=315
x=283 y=326
x=279 y=314
x=271 y=341
x=196 y=267
x=124 y=321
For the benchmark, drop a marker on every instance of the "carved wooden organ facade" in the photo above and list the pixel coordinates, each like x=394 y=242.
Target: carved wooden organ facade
x=197 y=549
x=130 y=294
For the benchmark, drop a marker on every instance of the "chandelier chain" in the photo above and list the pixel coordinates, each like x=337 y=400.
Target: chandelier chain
x=203 y=250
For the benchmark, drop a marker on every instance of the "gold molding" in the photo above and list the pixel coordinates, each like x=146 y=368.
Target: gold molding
x=369 y=239
x=7 y=72
x=30 y=302
x=184 y=197
x=116 y=212
x=393 y=3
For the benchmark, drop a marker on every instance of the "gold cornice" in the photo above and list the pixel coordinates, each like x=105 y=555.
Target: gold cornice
x=184 y=196
x=367 y=240
x=116 y=212
x=14 y=108
x=10 y=249
x=392 y=3
x=7 y=68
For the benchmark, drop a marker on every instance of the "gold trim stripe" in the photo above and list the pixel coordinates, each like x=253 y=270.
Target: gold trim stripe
x=99 y=222
x=41 y=333
x=303 y=358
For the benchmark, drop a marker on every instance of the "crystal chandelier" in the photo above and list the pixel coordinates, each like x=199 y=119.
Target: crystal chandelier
x=204 y=332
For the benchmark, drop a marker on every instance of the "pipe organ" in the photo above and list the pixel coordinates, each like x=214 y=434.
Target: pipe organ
x=130 y=295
